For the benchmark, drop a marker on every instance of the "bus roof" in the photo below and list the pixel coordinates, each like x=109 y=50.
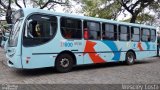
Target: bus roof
x=28 y=11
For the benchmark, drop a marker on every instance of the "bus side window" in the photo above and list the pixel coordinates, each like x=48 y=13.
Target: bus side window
x=124 y=33
x=71 y=28
x=35 y=29
x=68 y=33
x=145 y=34
x=109 y=31
x=41 y=29
x=135 y=34
x=153 y=35
x=38 y=30
x=93 y=30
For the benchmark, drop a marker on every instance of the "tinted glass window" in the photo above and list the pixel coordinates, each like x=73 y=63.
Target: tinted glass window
x=145 y=34
x=13 y=37
x=92 y=30
x=153 y=35
x=135 y=34
x=124 y=33
x=71 y=28
x=109 y=31
x=153 y=32
x=135 y=30
x=41 y=29
x=109 y=27
x=123 y=29
x=93 y=26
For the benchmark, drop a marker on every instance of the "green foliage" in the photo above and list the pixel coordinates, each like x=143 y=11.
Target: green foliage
x=2 y=25
x=8 y=6
x=142 y=18
x=111 y=9
x=101 y=8
x=38 y=3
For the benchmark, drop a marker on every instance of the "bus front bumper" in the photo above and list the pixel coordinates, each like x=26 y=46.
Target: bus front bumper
x=14 y=62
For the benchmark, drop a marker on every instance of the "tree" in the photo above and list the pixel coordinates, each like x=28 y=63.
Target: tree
x=148 y=15
x=6 y=8
x=6 y=5
x=51 y=3
x=143 y=18
x=101 y=8
x=134 y=8
x=111 y=9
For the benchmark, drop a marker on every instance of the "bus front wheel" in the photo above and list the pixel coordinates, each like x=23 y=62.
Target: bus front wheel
x=130 y=58
x=64 y=63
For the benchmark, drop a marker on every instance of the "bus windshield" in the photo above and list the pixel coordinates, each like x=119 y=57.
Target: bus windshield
x=13 y=39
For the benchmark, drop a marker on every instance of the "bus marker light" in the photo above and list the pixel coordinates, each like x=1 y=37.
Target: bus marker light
x=27 y=59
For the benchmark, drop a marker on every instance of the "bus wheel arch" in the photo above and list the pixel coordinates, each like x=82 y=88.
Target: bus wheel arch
x=65 y=57
x=130 y=57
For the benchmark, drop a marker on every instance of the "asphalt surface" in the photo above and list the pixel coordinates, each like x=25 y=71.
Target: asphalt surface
x=146 y=71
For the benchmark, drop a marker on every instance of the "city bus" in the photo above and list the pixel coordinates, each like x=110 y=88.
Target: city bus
x=42 y=38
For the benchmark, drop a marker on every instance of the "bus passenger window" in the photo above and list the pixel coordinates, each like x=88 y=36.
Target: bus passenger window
x=42 y=29
x=145 y=34
x=38 y=29
x=135 y=34
x=68 y=33
x=124 y=33
x=153 y=35
x=71 y=28
x=93 y=30
x=109 y=31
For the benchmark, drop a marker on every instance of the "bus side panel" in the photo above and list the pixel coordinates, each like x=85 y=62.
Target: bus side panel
x=101 y=51
x=92 y=52
x=37 y=57
x=112 y=51
x=73 y=46
x=40 y=56
x=146 y=49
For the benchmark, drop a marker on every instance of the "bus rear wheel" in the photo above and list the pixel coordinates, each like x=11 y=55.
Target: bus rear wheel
x=64 y=63
x=130 y=58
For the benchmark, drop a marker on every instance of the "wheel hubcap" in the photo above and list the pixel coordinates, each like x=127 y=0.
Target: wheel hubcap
x=64 y=62
x=130 y=58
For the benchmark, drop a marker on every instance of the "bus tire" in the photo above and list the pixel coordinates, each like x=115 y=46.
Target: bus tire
x=130 y=58
x=64 y=63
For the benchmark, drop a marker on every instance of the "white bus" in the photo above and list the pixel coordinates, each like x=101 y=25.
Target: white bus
x=42 y=38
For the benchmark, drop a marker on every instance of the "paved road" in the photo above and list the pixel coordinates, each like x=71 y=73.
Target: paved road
x=144 y=72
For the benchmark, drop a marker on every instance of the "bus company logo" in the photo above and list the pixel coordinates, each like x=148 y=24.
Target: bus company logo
x=66 y=44
x=70 y=44
x=77 y=43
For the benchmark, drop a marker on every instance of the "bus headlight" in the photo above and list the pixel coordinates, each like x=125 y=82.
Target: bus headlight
x=11 y=52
